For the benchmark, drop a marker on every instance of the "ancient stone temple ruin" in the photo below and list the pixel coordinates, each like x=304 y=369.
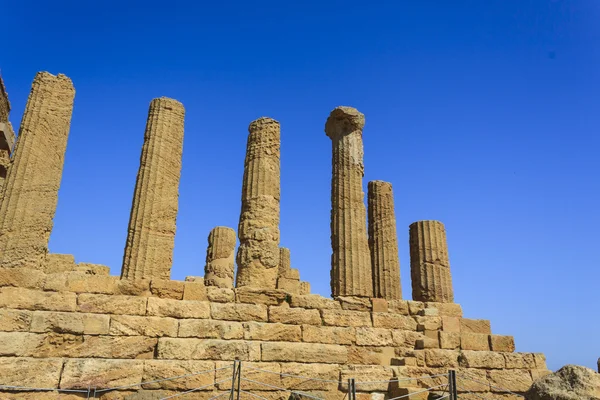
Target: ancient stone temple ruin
x=71 y=330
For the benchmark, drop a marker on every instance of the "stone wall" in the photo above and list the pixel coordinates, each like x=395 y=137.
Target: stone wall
x=80 y=328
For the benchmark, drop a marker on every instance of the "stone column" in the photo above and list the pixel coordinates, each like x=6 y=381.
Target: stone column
x=383 y=241
x=258 y=229
x=30 y=192
x=151 y=234
x=350 y=261
x=7 y=135
x=285 y=263
x=220 y=253
x=429 y=264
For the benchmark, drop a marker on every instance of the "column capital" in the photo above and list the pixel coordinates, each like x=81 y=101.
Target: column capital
x=343 y=121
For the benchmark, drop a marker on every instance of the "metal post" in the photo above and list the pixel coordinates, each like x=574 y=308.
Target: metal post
x=239 y=379
x=352 y=388
x=452 y=385
x=233 y=379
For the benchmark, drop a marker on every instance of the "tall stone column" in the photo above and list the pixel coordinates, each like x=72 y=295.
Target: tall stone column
x=151 y=233
x=429 y=264
x=383 y=241
x=30 y=191
x=220 y=253
x=258 y=229
x=7 y=136
x=350 y=261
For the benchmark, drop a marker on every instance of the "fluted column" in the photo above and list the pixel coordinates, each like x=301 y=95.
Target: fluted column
x=429 y=264
x=151 y=234
x=285 y=263
x=258 y=229
x=350 y=262
x=30 y=191
x=7 y=136
x=220 y=253
x=383 y=241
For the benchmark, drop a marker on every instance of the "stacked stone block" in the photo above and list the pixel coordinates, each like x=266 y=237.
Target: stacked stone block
x=7 y=135
x=429 y=263
x=151 y=233
x=351 y=273
x=383 y=241
x=220 y=254
x=30 y=192
x=258 y=230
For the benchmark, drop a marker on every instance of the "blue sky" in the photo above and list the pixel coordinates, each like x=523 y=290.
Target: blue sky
x=482 y=114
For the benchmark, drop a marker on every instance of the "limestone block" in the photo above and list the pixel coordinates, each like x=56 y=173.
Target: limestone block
x=220 y=258
x=56 y=263
x=272 y=332
x=285 y=263
x=313 y=301
x=446 y=309
x=519 y=361
x=441 y=358
x=295 y=374
x=467 y=375
x=398 y=307
x=415 y=307
x=428 y=323
x=451 y=324
x=67 y=345
x=481 y=359
x=429 y=312
x=304 y=287
x=449 y=340
x=355 y=303
x=178 y=308
x=250 y=371
x=258 y=229
x=152 y=223
x=366 y=373
x=29 y=299
x=475 y=326
x=383 y=241
x=418 y=374
x=379 y=305
x=409 y=393
x=207 y=349
x=366 y=355
x=373 y=337
x=19 y=344
x=194 y=291
x=81 y=374
x=406 y=338
x=111 y=304
x=292 y=274
x=474 y=341
x=427 y=343
x=92 y=269
x=210 y=329
x=30 y=372
x=429 y=264
x=540 y=360
x=14 y=320
x=304 y=352
x=351 y=273
x=539 y=373
x=162 y=369
x=80 y=282
x=288 y=285
x=239 y=312
x=328 y=334
x=298 y=316
x=394 y=321
x=516 y=380
x=137 y=287
x=166 y=289
x=220 y=295
x=346 y=318
x=128 y=325
x=76 y=323
x=502 y=343
x=260 y=296
x=22 y=277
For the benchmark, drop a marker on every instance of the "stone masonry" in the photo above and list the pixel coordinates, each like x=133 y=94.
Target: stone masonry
x=383 y=241
x=7 y=135
x=30 y=192
x=220 y=258
x=429 y=263
x=151 y=233
x=74 y=327
x=258 y=230
x=350 y=262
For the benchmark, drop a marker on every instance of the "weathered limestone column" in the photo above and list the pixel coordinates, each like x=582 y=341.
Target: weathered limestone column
x=7 y=135
x=429 y=264
x=383 y=241
x=220 y=253
x=151 y=234
x=30 y=192
x=258 y=229
x=350 y=261
x=285 y=263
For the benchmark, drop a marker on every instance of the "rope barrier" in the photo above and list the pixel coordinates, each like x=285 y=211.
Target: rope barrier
x=397 y=379
x=196 y=389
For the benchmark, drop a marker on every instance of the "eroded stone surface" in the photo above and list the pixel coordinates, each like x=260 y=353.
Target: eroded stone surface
x=220 y=258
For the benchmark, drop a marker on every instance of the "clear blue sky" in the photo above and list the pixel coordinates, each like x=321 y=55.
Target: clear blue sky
x=483 y=114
